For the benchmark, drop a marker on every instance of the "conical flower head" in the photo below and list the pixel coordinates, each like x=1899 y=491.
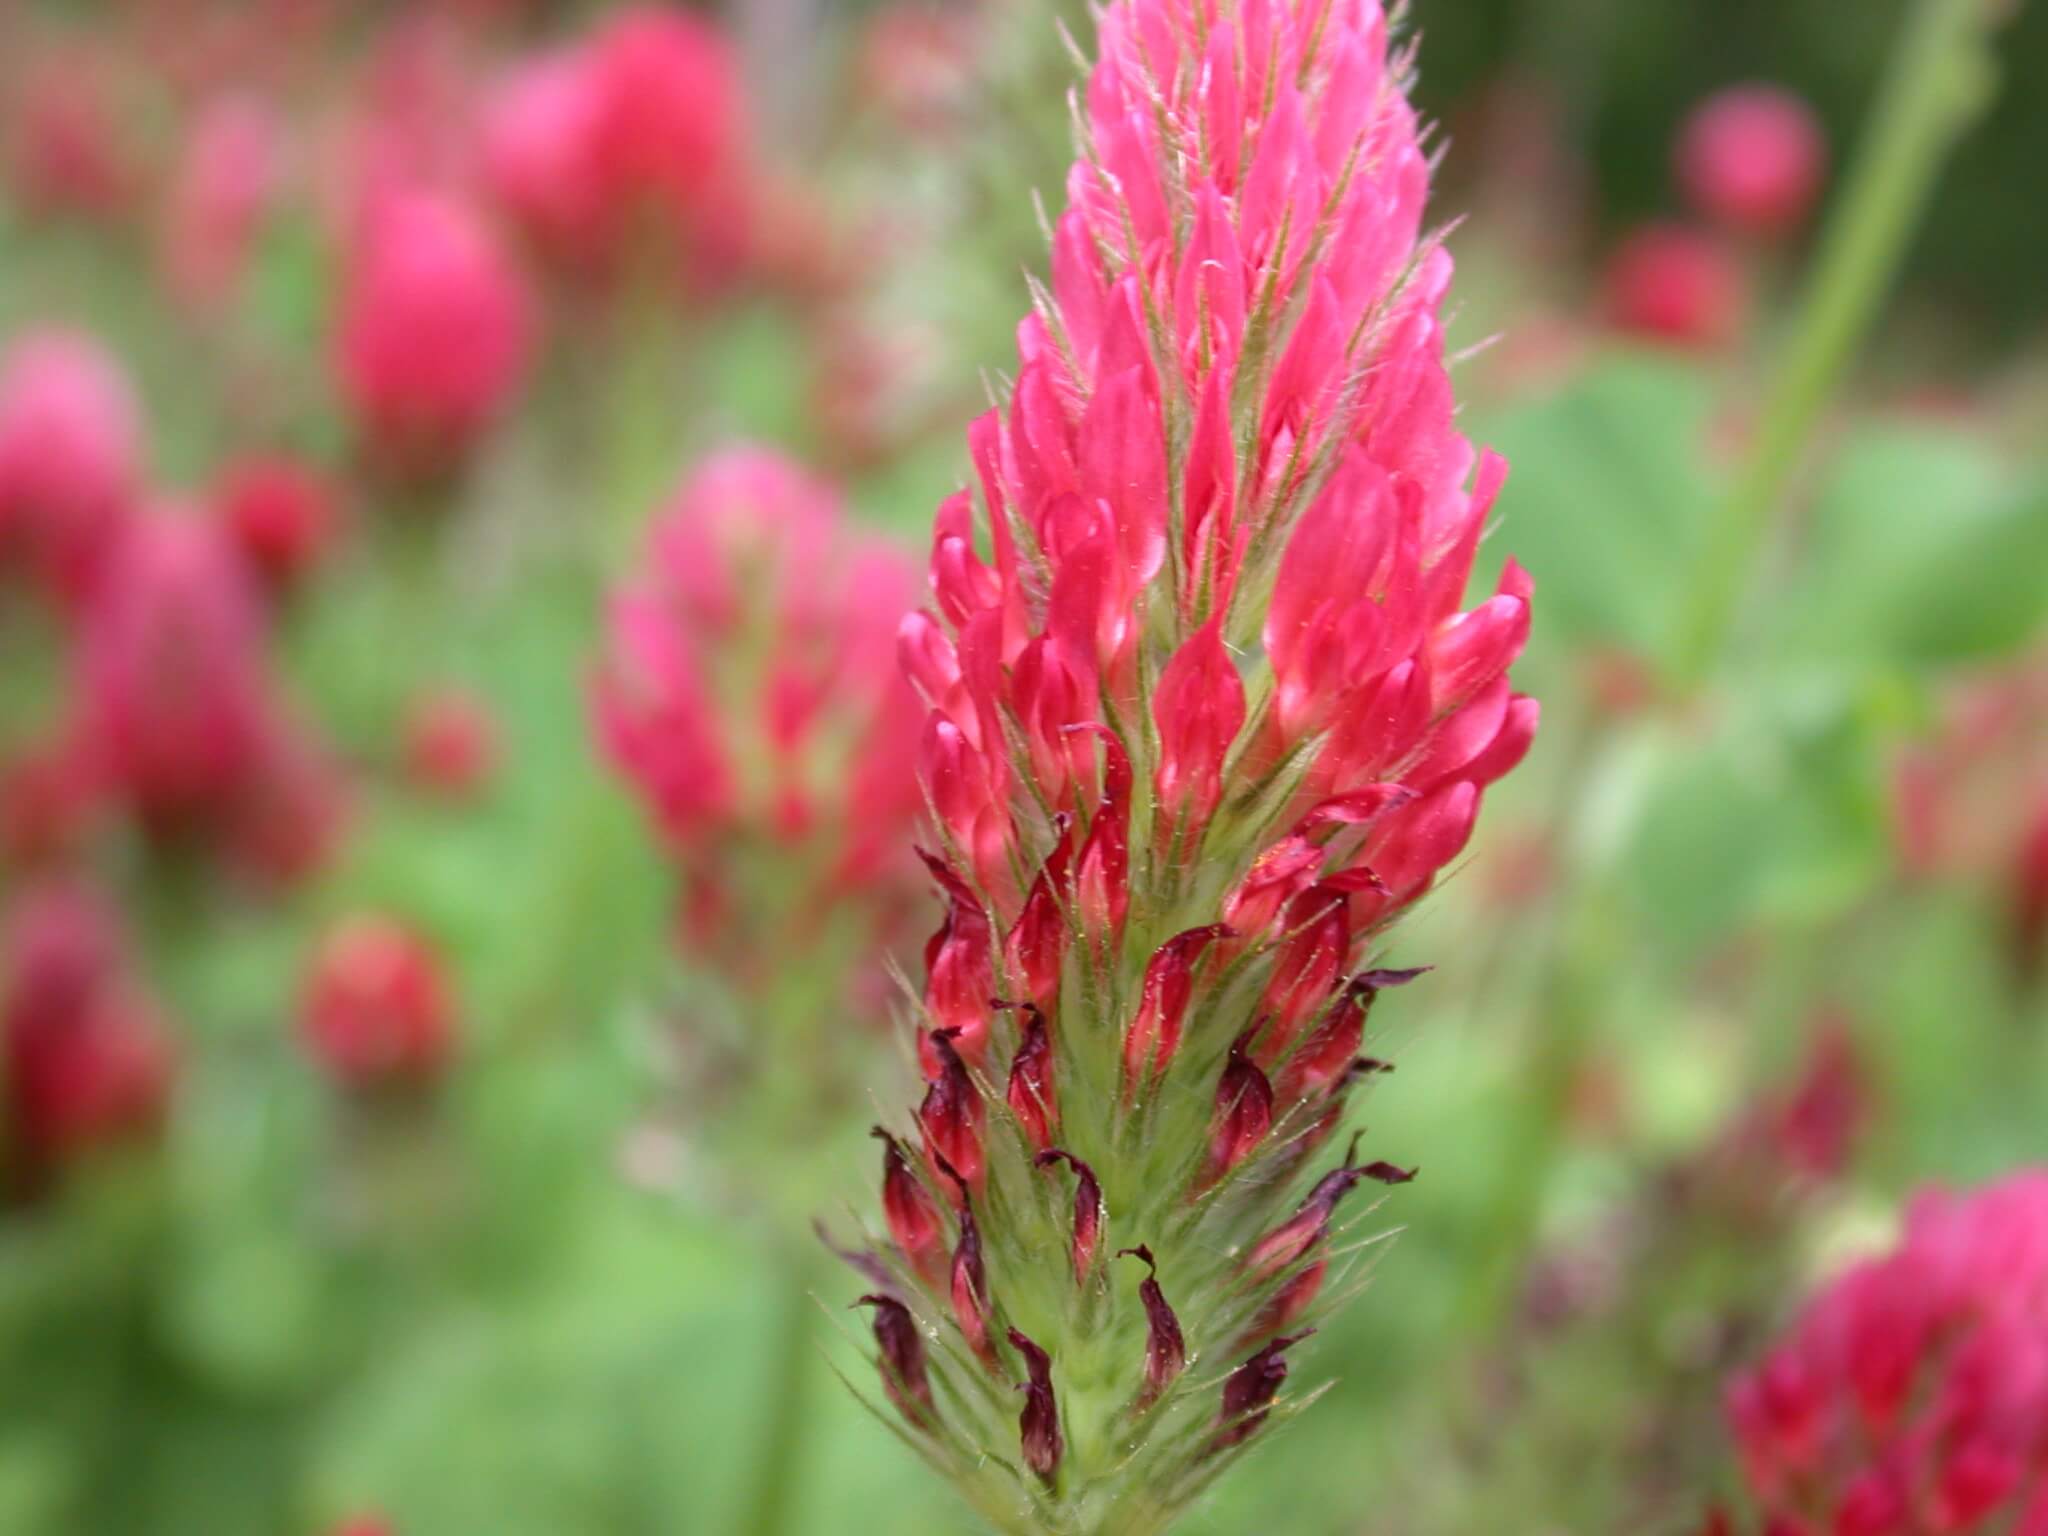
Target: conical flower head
x=1912 y=1394
x=1206 y=714
x=749 y=694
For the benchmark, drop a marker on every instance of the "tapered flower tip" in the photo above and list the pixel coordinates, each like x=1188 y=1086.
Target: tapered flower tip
x=1165 y=1349
x=282 y=514
x=1912 y=1393
x=1752 y=158
x=70 y=452
x=1675 y=286
x=84 y=1059
x=434 y=334
x=375 y=1011
x=174 y=692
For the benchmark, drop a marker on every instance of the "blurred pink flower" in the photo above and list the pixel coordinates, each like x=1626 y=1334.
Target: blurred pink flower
x=750 y=690
x=1670 y=284
x=65 y=146
x=626 y=148
x=1206 y=714
x=450 y=745
x=281 y=513
x=1912 y=1394
x=175 y=703
x=1752 y=158
x=70 y=450
x=376 y=1012
x=1970 y=801
x=47 y=798
x=434 y=335
x=226 y=181
x=87 y=1062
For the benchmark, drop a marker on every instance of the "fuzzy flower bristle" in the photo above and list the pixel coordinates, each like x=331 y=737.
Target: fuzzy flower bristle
x=1206 y=714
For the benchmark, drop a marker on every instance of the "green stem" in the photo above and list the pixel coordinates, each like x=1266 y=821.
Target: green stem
x=1937 y=83
x=778 y=1466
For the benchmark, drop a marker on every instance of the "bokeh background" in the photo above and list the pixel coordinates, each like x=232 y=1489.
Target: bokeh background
x=1729 y=968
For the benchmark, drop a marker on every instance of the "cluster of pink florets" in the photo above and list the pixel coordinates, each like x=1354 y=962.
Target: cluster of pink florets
x=1911 y=1398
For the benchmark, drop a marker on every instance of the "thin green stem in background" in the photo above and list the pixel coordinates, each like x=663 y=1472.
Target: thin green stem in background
x=782 y=1448
x=1938 y=82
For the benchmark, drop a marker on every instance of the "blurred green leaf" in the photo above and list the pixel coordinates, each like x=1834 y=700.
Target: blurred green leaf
x=1922 y=549
x=1607 y=490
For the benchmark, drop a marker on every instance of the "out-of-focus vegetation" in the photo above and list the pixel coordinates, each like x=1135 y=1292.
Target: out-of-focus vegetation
x=402 y=1126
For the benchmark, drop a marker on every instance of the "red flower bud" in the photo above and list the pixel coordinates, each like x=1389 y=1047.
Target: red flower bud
x=1291 y=1241
x=1102 y=868
x=901 y=1347
x=1244 y=1114
x=1087 y=1209
x=1030 y=1092
x=1668 y=284
x=951 y=1114
x=969 y=1287
x=1037 y=942
x=1166 y=1354
x=376 y=1011
x=281 y=515
x=1039 y=1425
x=1306 y=970
x=1248 y=1394
x=1153 y=1039
x=959 y=967
x=910 y=1211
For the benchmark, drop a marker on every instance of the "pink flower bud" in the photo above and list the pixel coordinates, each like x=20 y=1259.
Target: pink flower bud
x=1667 y=284
x=1039 y=1426
x=70 y=450
x=1199 y=709
x=375 y=1012
x=434 y=335
x=282 y=514
x=86 y=1060
x=960 y=969
x=540 y=160
x=1752 y=158
x=1913 y=1391
x=450 y=745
